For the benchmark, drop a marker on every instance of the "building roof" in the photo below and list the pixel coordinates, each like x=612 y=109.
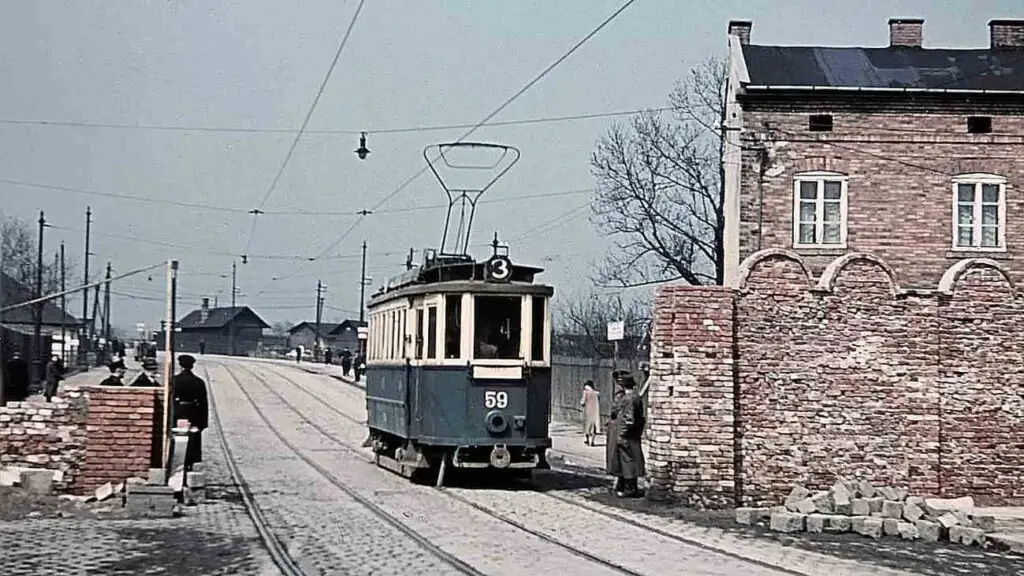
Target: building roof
x=16 y=293
x=325 y=327
x=353 y=324
x=791 y=67
x=217 y=318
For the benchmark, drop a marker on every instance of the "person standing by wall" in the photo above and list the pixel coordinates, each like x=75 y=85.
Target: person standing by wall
x=16 y=379
x=591 y=403
x=54 y=375
x=630 y=421
x=190 y=403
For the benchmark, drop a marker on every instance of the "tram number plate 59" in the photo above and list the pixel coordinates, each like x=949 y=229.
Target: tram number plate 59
x=495 y=399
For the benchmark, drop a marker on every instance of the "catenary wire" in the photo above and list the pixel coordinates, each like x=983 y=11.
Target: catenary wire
x=302 y=128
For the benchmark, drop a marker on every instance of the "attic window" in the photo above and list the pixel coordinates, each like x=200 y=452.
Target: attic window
x=820 y=123
x=979 y=124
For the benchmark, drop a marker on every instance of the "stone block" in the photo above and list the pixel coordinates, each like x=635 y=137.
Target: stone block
x=962 y=518
x=37 y=481
x=967 y=536
x=815 y=523
x=937 y=506
x=986 y=523
x=887 y=492
x=857 y=523
x=917 y=500
x=9 y=477
x=890 y=526
x=835 y=523
x=948 y=520
x=148 y=506
x=844 y=509
x=930 y=531
x=872 y=527
x=104 y=492
x=860 y=507
x=912 y=512
x=787 y=522
x=198 y=480
x=892 y=509
x=908 y=531
x=806 y=506
x=823 y=502
x=875 y=504
x=866 y=489
x=745 y=516
x=840 y=494
x=796 y=495
x=157 y=477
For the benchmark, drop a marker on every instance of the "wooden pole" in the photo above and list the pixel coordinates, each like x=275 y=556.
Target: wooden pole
x=63 y=308
x=172 y=285
x=3 y=329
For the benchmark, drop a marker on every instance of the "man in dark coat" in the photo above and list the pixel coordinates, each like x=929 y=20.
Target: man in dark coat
x=54 y=375
x=629 y=424
x=346 y=361
x=16 y=379
x=116 y=374
x=328 y=356
x=190 y=403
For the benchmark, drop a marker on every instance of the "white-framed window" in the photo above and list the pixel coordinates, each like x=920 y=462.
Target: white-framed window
x=979 y=212
x=819 y=210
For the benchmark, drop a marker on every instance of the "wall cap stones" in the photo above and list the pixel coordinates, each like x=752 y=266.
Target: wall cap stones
x=750 y=263
x=947 y=285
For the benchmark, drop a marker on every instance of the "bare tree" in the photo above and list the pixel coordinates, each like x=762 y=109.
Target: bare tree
x=582 y=324
x=281 y=328
x=19 y=242
x=659 y=188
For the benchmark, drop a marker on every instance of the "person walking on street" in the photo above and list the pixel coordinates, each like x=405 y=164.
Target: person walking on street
x=202 y=347
x=190 y=403
x=346 y=361
x=54 y=375
x=328 y=356
x=591 y=403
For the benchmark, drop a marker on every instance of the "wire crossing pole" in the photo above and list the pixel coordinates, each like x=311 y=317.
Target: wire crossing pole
x=316 y=341
x=63 y=307
x=172 y=289
x=362 y=287
x=37 y=349
x=83 y=335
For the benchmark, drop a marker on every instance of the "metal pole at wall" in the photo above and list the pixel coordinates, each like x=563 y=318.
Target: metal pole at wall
x=172 y=288
x=106 y=306
x=362 y=299
x=63 y=307
x=37 y=359
x=83 y=335
x=3 y=330
x=316 y=331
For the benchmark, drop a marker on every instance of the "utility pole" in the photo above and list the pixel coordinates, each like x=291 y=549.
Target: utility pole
x=106 y=306
x=37 y=332
x=63 y=307
x=319 y=307
x=234 y=267
x=3 y=330
x=83 y=339
x=362 y=287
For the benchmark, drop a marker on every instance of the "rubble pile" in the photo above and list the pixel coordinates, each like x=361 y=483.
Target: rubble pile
x=874 y=512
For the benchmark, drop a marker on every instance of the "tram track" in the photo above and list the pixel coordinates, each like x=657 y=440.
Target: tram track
x=374 y=509
x=351 y=447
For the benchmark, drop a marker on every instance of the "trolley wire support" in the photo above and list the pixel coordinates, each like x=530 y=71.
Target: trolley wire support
x=464 y=198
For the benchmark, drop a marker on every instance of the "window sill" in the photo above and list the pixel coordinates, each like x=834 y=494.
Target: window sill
x=834 y=250
x=992 y=254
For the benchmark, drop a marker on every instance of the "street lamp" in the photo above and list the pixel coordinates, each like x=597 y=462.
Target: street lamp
x=362 y=151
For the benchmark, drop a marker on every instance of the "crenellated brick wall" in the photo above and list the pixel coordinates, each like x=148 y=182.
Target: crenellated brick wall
x=90 y=435
x=844 y=374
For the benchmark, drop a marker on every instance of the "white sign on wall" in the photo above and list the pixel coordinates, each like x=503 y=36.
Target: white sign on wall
x=616 y=330
x=363 y=332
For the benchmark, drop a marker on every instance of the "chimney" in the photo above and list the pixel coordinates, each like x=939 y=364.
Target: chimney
x=741 y=28
x=204 y=312
x=1007 y=33
x=906 y=32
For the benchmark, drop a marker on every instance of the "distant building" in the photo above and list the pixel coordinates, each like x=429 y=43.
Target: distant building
x=346 y=335
x=335 y=335
x=20 y=322
x=234 y=331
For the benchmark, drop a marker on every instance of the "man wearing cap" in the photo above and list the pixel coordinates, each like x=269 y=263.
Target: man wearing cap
x=629 y=424
x=116 y=374
x=190 y=403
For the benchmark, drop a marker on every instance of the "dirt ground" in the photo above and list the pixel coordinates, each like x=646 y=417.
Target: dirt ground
x=18 y=504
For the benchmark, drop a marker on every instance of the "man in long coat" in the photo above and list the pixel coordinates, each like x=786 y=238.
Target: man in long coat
x=627 y=462
x=16 y=379
x=190 y=403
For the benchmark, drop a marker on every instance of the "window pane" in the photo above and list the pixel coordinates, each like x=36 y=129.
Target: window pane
x=832 y=212
x=419 y=333
x=989 y=193
x=537 y=329
x=833 y=190
x=452 y=326
x=497 y=325
x=432 y=332
x=808 y=190
x=807 y=233
x=831 y=233
x=405 y=318
x=807 y=212
x=965 y=213
x=989 y=236
x=965 y=236
x=965 y=192
x=990 y=215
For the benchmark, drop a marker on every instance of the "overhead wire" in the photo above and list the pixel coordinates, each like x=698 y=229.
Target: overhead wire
x=302 y=128
x=479 y=124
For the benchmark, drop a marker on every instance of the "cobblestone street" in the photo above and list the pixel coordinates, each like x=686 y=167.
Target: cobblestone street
x=295 y=435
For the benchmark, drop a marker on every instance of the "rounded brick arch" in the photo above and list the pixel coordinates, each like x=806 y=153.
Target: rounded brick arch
x=836 y=267
x=947 y=285
x=751 y=262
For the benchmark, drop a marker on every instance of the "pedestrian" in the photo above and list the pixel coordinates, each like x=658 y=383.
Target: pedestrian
x=611 y=431
x=629 y=423
x=298 y=354
x=202 y=347
x=359 y=365
x=116 y=374
x=54 y=375
x=190 y=403
x=147 y=378
x=346 y=361
x=328 y=356
x=16 y=379
x=591 y=403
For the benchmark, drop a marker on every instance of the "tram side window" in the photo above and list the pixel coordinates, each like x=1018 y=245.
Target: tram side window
x=432 y=332
x=404 y=332
x=453 y=326
x=498 y=325
x=537 y=332
x=419 y=333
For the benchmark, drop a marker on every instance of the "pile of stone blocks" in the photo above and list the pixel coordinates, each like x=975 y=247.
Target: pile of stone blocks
x=874 y=512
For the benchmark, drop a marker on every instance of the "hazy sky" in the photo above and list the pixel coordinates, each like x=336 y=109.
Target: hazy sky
x=248 y=64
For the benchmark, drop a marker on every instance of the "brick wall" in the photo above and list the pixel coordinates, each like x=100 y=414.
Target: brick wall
x=843 y=373
x=900 y=164
x=46 y=436
x=122 y=424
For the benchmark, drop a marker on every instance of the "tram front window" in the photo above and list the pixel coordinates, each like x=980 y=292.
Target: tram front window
x=497 y=326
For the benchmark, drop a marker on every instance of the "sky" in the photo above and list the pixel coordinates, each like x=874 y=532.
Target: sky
x=236 y=64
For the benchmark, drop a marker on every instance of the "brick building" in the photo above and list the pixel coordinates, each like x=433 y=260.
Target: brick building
x=909 y=153
x=871 y=325
x=234 y=331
